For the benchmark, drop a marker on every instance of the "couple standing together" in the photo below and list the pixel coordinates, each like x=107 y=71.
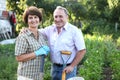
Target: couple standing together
x=32 y=44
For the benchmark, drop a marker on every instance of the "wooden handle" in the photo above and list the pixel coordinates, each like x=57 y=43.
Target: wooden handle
x=66 y=52
x=63 y=75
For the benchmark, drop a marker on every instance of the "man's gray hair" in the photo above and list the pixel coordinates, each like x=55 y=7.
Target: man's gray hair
x=65 y=10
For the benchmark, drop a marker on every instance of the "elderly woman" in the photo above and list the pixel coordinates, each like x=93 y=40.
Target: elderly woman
x=30 y=46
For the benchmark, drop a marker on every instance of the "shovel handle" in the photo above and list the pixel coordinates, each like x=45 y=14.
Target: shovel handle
x=42 y=63
x=63 y=75
x=65 y=52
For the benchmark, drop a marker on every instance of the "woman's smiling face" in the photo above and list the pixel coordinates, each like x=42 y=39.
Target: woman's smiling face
x=33 y=21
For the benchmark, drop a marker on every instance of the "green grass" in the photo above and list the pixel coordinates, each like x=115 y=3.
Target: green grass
x=8 y=64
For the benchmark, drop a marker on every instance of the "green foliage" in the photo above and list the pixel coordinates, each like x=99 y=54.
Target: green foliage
x=118 y=42
x=115 y=58
x=101 y=27
x=114 y=6
x=76 y=10
x=8 y=64
x=47 y=69
x=101 y=51
x=94 y=55
x=99 y=8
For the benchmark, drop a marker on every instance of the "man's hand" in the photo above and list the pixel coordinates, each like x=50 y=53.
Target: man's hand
x=68 y=69
x=23 y=30
x=44 y=50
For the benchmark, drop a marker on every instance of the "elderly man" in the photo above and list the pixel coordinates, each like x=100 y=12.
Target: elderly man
x=64 y=36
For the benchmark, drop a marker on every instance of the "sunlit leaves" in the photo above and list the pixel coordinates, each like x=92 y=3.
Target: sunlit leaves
x=113 y=3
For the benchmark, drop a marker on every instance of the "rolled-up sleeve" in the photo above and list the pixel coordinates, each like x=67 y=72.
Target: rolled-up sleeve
x=21 y=45
x=79 y=40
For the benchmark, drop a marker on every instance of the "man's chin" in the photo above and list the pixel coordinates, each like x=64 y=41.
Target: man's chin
x=59 y=25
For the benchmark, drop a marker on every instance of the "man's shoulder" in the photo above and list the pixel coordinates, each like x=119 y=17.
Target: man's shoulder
x=72 y=27
x=50 y=27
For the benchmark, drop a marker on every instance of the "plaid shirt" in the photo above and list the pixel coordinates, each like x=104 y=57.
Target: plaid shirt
x=26 y=43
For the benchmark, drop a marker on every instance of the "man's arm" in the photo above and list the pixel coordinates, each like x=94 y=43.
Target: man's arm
x=79 y=56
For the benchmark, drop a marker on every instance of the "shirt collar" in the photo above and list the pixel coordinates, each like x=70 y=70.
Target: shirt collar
x=66 y=26
x=28 y=32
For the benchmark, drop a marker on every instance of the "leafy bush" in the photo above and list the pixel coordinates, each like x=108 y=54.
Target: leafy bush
x=8 y=64
x=115 y=64
x=101 y=52
x=118 y=42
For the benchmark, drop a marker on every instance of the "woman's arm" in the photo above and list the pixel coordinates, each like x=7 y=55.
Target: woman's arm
x=25 y=57
x=44 y=50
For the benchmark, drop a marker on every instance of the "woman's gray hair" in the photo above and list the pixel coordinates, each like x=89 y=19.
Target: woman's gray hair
x=65 y=10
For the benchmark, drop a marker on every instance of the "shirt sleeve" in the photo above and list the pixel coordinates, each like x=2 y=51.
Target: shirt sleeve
x=21 y=45
x=43 y=31
x=79 y=40
x=43 y=39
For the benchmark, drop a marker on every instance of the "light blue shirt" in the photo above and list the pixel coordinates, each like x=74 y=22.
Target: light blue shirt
x=70 y=39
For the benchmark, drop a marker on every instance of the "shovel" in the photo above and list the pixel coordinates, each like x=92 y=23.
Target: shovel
x=42 y=63
x=67 y=53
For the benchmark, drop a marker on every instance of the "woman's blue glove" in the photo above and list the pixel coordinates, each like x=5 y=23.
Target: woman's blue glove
x=44 y=50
